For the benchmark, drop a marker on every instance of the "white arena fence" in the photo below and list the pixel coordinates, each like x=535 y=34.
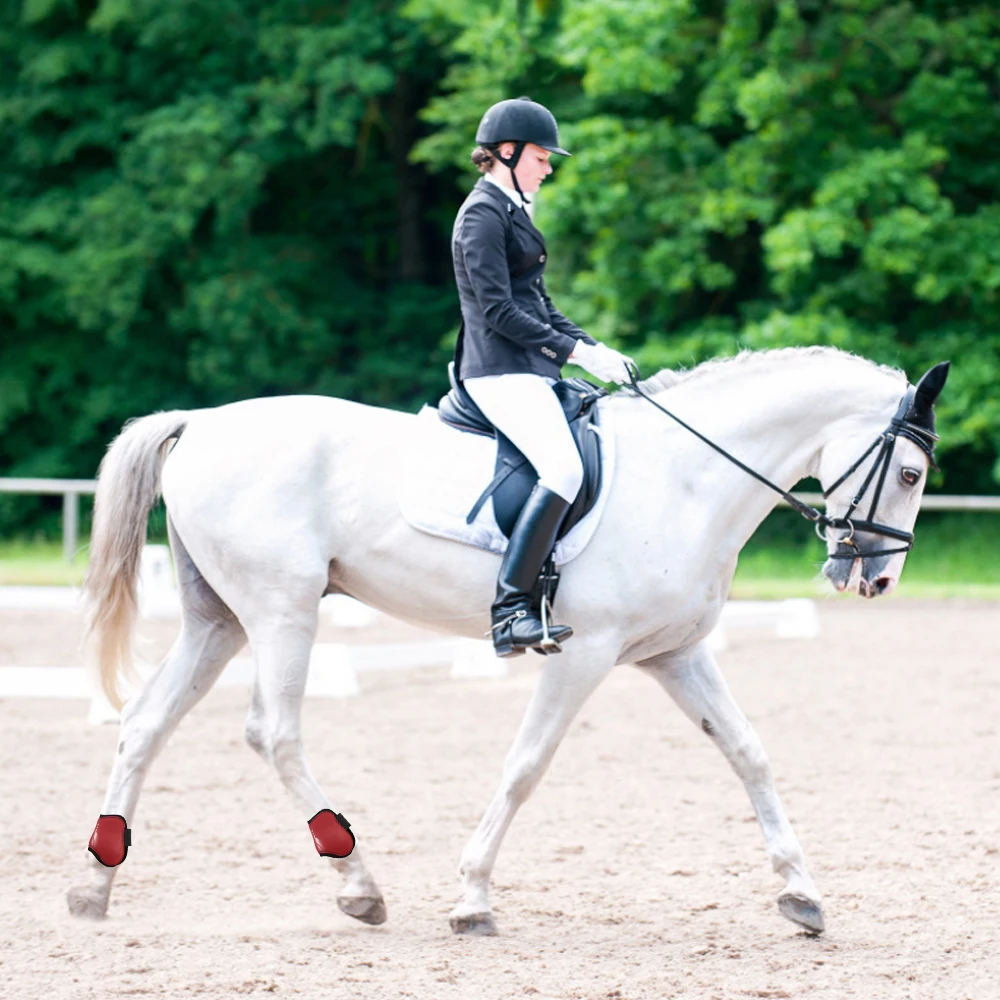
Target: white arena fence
x=73 y=489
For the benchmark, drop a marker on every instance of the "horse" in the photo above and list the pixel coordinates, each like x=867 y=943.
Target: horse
x=273 y=503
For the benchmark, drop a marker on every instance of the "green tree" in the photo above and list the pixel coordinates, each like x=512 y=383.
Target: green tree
x=206 y=200
x=764 y=173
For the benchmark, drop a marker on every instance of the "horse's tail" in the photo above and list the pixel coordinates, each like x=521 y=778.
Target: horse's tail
x=128 y=485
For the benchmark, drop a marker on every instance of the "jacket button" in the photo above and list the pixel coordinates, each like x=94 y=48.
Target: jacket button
x=541 y=260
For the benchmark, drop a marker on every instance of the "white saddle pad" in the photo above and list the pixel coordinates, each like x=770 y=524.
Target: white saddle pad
x=446 y=470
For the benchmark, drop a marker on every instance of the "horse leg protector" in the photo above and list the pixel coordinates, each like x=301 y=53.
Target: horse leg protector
x=331 y=834
x=110 y=841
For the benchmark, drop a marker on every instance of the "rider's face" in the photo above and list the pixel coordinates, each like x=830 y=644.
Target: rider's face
x=532 y=168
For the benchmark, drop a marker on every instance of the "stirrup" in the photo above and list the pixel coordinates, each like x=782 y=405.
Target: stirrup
x=548 y=644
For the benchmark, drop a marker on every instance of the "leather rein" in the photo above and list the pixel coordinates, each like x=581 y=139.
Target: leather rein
x=898 y=427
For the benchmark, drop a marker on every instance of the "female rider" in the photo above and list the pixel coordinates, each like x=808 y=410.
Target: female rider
x=512 y=345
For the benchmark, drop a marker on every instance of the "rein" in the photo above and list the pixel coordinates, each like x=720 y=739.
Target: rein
x=899 y=426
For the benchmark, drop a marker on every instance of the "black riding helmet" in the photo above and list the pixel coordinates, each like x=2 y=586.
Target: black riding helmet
x=520 y=120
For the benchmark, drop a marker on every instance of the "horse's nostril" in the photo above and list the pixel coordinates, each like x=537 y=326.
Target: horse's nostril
x=881 y=584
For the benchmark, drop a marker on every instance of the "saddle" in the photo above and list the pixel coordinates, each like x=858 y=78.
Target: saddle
x=515 y=476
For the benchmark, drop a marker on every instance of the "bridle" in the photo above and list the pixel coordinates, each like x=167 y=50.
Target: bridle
x=899 y=426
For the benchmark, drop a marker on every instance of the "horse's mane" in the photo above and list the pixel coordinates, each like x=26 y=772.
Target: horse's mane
x=758 y=361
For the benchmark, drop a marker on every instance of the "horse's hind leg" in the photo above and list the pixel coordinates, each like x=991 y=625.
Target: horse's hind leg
x=694 y=681
x=210 y=636
x=281 y=645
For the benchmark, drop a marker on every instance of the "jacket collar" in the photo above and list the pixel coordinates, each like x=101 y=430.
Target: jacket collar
x=514 y=196
x=495 y=193
x=520 y=215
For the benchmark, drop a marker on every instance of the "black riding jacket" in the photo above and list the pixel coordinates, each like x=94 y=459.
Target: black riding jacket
x=509 y=323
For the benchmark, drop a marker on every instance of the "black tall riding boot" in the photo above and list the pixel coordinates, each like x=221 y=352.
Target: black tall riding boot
x=515 y=626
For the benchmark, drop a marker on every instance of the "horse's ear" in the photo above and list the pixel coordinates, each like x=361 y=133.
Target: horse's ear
x=928 y=388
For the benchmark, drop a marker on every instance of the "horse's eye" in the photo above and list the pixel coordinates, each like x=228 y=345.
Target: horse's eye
x=908 y=476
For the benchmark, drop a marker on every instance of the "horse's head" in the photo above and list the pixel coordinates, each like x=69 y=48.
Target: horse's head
x=874 y=504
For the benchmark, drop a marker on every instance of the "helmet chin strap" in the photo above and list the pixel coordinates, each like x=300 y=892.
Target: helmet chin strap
x=511 y=162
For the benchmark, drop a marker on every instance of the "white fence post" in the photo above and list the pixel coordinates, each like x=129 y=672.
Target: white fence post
x=71 y=524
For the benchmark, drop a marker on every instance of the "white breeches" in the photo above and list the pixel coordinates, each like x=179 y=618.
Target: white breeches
x=526 y=409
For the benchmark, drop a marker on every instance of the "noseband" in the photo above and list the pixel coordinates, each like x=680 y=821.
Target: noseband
x=898 y=427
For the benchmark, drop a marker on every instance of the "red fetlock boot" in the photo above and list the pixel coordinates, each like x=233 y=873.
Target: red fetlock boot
x=111 y=839
x=331 y=834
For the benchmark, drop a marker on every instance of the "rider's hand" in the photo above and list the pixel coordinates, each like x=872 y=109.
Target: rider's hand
x=602 y=362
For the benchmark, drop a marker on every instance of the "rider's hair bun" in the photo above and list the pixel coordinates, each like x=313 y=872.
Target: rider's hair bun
x=483 y=158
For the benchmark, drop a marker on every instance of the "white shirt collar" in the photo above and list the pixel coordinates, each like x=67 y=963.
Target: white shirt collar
x=510 y=192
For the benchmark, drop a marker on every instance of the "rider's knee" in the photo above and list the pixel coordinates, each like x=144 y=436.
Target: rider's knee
x=566 y=481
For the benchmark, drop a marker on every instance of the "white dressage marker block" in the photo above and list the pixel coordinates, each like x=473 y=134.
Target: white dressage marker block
x=158 y=596
x=39 y=598
x=101 y=710
x=57 y=682
x=346 y=612
x=475 y=658
x=332 y=672
x=239 y=672
x=795 y=618
x=800 y=620
x=44 y=682
x=717 y=640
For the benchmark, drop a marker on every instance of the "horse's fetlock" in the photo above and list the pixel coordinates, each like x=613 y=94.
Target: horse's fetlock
x=256 y=738
x=751 y=761
x=786 y=858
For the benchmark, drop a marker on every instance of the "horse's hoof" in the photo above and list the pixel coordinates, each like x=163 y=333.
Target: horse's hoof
x=83 y=902
x=480 y=924
x=367 y=909
x=802 y=911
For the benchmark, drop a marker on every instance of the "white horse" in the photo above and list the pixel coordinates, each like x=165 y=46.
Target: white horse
x=273 y=503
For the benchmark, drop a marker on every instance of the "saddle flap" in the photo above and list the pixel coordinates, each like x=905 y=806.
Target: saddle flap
x=444 y=471
x=514 y=476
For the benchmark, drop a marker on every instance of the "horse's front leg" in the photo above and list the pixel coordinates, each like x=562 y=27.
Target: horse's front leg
x=567 y=680
x=694 y=681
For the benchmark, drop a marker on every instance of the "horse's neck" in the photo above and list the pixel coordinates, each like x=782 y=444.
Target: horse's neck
x=775 y=421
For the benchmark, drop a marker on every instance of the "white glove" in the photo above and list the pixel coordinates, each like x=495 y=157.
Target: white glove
x=601 y=361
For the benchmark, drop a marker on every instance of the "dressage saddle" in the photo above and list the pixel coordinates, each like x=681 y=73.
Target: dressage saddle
x=514 y=475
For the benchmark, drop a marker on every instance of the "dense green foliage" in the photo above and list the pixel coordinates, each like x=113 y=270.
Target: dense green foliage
x=203 y=200
x=766 y=173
